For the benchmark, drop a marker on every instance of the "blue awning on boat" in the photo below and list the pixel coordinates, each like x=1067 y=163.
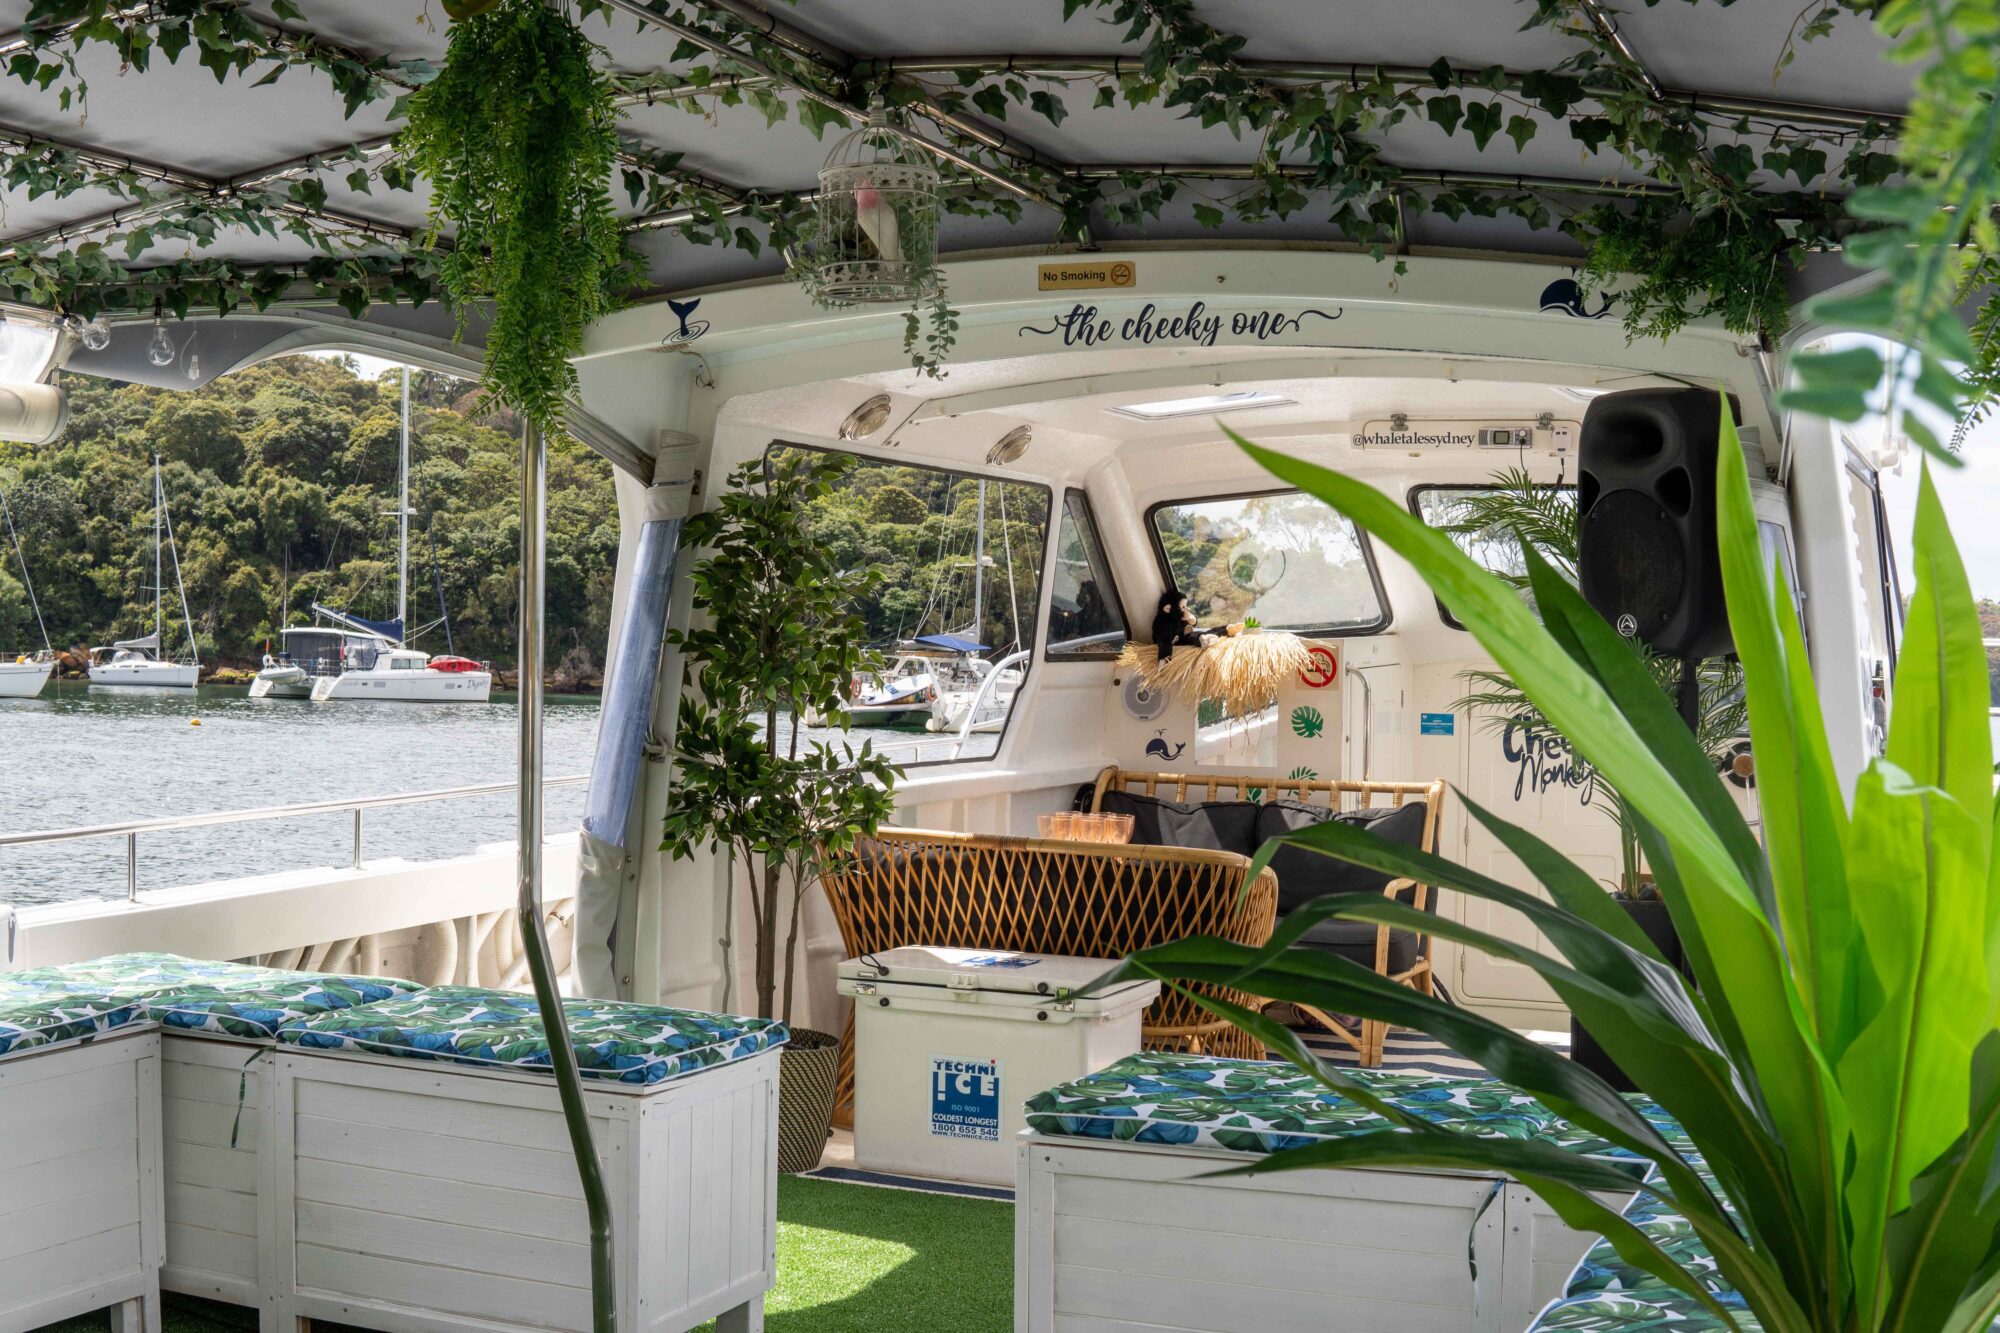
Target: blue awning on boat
x=951 y=643
x=388 y=629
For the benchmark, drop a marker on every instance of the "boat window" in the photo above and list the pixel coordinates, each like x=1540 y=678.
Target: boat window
x=961 y=559
x=1495 y=547
x=1086 y=618
x=1284 y=559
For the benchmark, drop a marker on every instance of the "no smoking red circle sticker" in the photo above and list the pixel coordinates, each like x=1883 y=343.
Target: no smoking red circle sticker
x=1322 y=670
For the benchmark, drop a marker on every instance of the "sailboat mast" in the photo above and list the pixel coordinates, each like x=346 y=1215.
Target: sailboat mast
x=403 y=517
x=159 y=623
x=979 y=571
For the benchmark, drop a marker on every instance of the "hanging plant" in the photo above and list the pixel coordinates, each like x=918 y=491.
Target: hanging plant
x=518 y=138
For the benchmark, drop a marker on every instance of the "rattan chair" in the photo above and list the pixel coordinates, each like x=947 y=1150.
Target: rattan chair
x=1373 y=1034
x=1090 y=900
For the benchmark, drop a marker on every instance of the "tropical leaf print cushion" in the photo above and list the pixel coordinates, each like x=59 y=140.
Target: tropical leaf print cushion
x=1607 y=1295
x=35 y=1014
x=1262 y=1106
x=219 y=999
x=629 y=1043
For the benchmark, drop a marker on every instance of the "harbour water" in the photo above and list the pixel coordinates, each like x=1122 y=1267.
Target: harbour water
x=79 y=756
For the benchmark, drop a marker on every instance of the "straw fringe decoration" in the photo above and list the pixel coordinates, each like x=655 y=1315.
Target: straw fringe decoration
x=1244 y=670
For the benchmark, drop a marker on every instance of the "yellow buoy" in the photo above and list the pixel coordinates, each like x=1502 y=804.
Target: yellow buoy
x=194 y=722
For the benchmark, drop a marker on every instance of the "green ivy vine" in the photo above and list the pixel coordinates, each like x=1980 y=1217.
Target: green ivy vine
x=1713 y=234
x=518 y=136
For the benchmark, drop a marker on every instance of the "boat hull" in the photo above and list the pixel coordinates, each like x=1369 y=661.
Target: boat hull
x=23 y=680
x=407 y=687
x=155 y=675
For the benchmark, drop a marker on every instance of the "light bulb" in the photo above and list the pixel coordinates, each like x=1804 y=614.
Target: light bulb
x=160 y=351
x=194 y=366
x=95 y=334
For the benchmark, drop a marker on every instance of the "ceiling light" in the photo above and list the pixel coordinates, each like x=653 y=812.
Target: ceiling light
x=866 y=419
x=1207 y=404
x=1010 y=446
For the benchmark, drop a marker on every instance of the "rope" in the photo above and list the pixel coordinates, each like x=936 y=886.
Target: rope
x=180 y=586
x=26 y=582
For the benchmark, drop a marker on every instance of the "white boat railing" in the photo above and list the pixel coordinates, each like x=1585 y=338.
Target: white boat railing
x=131 y=829
x=986 y=686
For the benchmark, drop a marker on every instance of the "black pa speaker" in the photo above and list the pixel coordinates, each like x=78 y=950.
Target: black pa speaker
x=1646 y=534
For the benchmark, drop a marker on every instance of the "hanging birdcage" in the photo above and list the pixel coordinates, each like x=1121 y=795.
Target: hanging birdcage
x=876 y=242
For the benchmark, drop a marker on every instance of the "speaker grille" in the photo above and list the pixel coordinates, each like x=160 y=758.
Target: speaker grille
x=1633 y=563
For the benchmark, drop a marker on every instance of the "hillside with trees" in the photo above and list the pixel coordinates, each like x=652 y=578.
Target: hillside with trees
x=281 y=483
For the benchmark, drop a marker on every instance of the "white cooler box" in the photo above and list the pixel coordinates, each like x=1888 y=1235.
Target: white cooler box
x=950 y=1042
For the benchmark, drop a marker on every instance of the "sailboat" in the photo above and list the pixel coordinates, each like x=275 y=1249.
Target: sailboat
x=960 y=694
x=369 y=659
x=144 y=660
x=24 y=676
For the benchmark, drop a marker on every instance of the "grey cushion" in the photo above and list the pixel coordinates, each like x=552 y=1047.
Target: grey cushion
x=1222 y=826
x=1356 y=940
x=1304 y=874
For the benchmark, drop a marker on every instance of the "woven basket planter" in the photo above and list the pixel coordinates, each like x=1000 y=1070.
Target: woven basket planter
x=808 y=1074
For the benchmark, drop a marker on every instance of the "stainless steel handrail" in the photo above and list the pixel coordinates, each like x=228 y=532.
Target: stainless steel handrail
x=166 y=822
x=132 y=828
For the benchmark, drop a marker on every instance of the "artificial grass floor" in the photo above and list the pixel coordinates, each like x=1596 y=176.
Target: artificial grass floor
x=851 y=1259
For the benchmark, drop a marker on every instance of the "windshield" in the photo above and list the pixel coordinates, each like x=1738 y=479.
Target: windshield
x=1284 y=560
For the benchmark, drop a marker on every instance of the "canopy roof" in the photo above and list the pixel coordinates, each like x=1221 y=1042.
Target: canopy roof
x=1116 y=115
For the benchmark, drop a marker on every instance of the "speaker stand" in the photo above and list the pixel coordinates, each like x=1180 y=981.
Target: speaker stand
x=1688 y=695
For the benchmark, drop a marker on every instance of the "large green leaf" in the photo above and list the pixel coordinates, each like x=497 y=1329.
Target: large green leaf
x=1773 y=992
x=1800 y=799
x=1907 y=1072
x=1567 y=883
x=1939 y=731
x=1952 y=1227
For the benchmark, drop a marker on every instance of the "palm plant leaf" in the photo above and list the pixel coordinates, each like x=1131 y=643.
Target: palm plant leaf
x=1836 y=1064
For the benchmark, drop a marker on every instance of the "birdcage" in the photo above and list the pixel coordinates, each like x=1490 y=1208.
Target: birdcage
x=876 y=242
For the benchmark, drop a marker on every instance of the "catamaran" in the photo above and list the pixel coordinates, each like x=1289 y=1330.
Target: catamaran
x=146 y=661
x=368 y=659
x=1082 y=262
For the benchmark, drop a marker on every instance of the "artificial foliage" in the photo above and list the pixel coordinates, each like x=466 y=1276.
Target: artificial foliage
x=1932 y=238
x=1834 y=1060
x=1731 y=203
x=778 y=637
x=518 y=136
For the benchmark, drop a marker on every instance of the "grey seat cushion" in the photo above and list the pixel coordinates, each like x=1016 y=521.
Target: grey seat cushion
x=1221 y=826
x=1304 y=874
x=1355 y=940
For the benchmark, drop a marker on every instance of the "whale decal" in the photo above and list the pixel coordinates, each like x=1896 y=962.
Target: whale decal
x=1565 y=295
x=687 y=332
x=1159 y=749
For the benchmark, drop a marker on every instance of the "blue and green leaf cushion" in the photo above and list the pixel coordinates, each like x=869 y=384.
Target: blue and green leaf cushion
x=36 y=1014
x=237 y=1000
x=614 y=1041
x=1607 y=1295
x=1259 y=1106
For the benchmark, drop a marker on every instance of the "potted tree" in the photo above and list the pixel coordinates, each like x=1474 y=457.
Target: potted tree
x=1517 y=511
x=783 y=638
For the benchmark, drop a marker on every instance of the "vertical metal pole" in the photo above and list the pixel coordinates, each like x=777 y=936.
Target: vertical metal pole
x=534 y=938
x=131 y=867
x=357 y=837
x=403 y=519
x=159 y=625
